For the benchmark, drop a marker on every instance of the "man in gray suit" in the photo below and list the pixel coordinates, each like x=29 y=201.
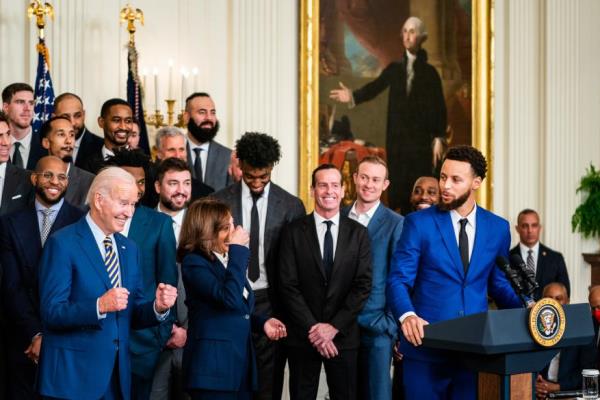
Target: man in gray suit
x=262 y=208
x=58 y=137
x=208 y=160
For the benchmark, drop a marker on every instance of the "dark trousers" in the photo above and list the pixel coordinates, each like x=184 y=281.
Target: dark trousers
x=20 y=382
x=438 y=381
x=305 y=369
x=270 y=360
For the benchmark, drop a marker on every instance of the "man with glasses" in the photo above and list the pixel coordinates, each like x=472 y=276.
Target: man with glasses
x=22 y=237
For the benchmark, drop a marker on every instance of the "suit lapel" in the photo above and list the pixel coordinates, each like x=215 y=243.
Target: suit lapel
x=274 y=209
x=236 y=210
x=90 y=249
x=211 y=161
x=123 y=260
x=444 y=225
x=480 y=238
x=343 y=239
x=377 y=222
x=310 y=232
x=10 y=183
x=29 y=235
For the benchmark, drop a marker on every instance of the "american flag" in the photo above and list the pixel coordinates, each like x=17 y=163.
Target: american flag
x=44 y=92
x=134 y=96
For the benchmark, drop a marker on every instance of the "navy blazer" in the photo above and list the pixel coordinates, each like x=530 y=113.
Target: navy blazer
x=36 y=151
x=427 y=276
x=152 y=232
x=89 y=146
x=20 y=253
x=18 y=191
x=384 y=229
x=219 y=344
x=79 y=350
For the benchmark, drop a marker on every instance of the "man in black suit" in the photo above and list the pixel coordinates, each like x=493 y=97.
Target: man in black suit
x=262 y=208
x=564 y=371
x=416 y=119
x=170 y=142
x=22 y=237
x=325 y=279
x=58 y=137
x=208 y=160
x=18 y=104
x=548 y=265
x=86 y=143
x=16 y=191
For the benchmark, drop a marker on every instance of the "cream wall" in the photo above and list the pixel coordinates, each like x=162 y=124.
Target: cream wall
x=547 y=85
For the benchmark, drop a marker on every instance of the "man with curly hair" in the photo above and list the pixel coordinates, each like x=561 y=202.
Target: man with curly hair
x=262 y=208
x=443 y=267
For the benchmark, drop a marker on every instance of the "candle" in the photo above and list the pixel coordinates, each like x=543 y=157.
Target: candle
x=195 y=73
x=183 y=86
x=155 y=71
x=144 y=75
x=170 y=79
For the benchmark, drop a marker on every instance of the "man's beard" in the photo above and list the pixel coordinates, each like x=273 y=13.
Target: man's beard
x=40 y=192
x=454 y=204
x=169 y=205
x=202 y=135
x=68 y=159
x=79 y=132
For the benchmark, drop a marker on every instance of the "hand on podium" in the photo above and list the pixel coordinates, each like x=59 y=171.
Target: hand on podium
x=412 y=328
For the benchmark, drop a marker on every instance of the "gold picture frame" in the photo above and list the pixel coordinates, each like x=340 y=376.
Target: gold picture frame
x=482 y=93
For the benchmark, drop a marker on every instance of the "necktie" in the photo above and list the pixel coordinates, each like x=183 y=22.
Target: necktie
x=328 y=249
x=198 y=164
x=112 y=262
x=17 y=160
x=530 y=262
x=46 y=225
x=253 y=270
x=463 y=244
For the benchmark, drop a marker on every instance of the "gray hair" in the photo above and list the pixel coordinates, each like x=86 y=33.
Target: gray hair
x=106 y=180
x=420 y=26
x=167 y=131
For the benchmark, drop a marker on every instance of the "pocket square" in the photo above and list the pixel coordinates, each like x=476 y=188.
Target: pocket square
x=16 y=196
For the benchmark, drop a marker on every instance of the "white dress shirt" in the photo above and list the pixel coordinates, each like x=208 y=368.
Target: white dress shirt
x=410 y=72
x=261 y=204
x=25 y=147
x=203 y=155
x=524 y=250
x=177 y=221
x=363 y=218
x=105 y=153
x=2 y=179
x=322 y=229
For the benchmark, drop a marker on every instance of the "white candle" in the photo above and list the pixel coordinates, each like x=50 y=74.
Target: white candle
x=144 y=75
x=183 y=86
x=156 y=88
x=170 y=79
x=195 y=73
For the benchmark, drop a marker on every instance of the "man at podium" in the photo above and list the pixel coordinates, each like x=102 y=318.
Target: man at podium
x=443 y=268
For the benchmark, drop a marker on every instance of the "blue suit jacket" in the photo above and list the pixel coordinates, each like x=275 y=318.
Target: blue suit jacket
x=20 y=253
x=376 y=319
x=152 y=232
x=427 y=275
x=219 y=348
x=79 y=350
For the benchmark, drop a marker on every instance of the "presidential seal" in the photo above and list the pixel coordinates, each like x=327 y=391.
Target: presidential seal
x=547 y=322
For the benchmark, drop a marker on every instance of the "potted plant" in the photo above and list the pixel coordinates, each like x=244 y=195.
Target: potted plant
x=586 y=219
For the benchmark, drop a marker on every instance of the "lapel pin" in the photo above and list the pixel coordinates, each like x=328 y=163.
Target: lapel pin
x=543 y=253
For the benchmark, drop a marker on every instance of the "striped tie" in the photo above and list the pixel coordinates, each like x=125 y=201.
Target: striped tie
x=46 y=224
x=530 y=262
x=112 y=262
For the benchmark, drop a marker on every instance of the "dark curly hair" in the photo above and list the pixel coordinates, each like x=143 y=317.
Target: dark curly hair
x=258 y=150
x=129 y=158
x=471 y=155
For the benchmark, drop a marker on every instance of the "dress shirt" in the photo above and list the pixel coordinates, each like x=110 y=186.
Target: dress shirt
x=553 y=368
x=39 y=207
x=524 y=250
x=322 y=229
x=177 y=221
x=224 y=259
x=203 y=154
x=106 y=153
x=363 y=218
x=2 y=179
x=261 y=205
x=410 y=72
x=25 y=147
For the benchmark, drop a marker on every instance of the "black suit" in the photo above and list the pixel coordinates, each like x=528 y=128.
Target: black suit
x=309 y=297
x=282 y=208
x=20 y=252
x=550 y=268
x=90 y=145
x=572 y=361
x=18 y=191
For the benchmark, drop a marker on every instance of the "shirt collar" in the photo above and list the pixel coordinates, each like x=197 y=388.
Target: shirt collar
x=106 y=152
x=524 y=249
x=369 y=213
x=25 y=140
x=177 y=218
x=40 y=207
x=96 y=231
x=246 y=194
x=410 y=57
x=319 y=219
x=204 y=146
x=457 y=217
x=78 y=141
x=3 y=170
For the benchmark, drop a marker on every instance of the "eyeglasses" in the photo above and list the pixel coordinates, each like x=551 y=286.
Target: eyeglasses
x=48 y=175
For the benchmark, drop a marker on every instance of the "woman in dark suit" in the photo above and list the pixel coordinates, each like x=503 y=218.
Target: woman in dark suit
x=218 y=359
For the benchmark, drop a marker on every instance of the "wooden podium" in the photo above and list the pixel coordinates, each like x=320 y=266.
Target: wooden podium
x=498 y=345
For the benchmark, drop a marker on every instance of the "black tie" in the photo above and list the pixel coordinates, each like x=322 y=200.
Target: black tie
x=328 y=249
x=463 y=244
x=253 y=270
x=198 y=164
x=17 y=160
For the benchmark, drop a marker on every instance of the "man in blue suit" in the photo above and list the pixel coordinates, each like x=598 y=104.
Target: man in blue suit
x=22 y=236
x=444 y=268
x=91 y=295
x=153 y=234
x=378 y=328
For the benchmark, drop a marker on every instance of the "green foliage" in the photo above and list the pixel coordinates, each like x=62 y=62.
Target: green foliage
x=586 y=219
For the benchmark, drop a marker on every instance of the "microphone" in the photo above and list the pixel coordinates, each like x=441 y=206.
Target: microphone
x=528 y=275
x=511 y=274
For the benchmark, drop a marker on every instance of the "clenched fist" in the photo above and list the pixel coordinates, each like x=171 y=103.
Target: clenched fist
x=165 y=297
x=114 y=300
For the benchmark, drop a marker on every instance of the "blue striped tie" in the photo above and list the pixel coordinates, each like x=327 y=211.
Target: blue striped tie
x=112 y=263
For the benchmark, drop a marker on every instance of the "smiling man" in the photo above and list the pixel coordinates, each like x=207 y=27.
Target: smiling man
x=444 y=268
x=379 y=329
x=325 y=279
x=262 y=208
x=425 y=193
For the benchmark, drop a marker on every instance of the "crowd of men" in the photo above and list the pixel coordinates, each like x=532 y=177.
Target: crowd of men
x=89 y=227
